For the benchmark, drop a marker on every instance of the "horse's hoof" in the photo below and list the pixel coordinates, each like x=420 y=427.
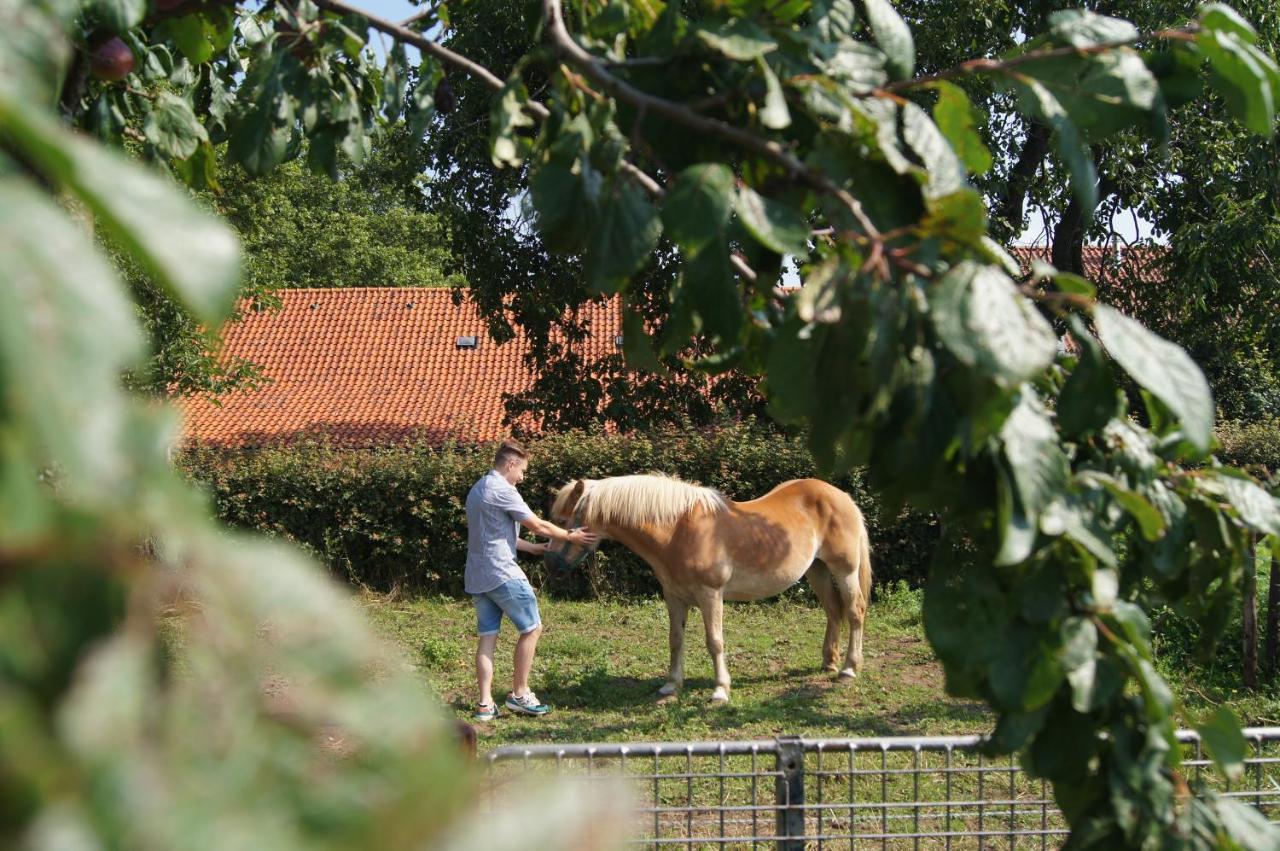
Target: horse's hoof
x=719 y=696
x=830 y=668
x=668 y=690
x=847 y=674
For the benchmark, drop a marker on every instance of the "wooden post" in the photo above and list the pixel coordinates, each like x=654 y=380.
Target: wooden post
x=1273 y=614
x=1249 y=618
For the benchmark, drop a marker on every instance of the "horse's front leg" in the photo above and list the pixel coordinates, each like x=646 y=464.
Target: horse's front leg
x=678 y=613
x=712 y=606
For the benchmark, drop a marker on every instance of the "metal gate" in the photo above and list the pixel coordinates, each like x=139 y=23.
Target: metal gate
x=901 y=792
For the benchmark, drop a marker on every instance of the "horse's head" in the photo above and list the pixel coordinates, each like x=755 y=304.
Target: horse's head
x=566 y=511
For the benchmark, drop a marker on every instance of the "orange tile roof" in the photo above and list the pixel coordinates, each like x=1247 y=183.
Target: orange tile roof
x=373 y=366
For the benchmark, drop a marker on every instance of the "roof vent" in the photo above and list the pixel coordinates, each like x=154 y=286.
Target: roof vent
x=617 y=341
x=314 y=305
x=468 y=343
x=409 y=306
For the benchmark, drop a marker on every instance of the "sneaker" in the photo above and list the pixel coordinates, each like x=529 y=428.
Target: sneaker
x=485 y=712
x=527 y=705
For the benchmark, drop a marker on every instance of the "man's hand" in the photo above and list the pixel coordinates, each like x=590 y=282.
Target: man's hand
x=583 y=536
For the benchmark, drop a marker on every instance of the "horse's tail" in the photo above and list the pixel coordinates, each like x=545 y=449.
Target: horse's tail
x=863 y=547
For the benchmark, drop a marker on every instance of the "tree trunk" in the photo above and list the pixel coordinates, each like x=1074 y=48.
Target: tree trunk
x=1249 y=621
x=1009 y=206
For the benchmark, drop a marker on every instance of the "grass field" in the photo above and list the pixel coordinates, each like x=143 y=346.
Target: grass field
x=600 y=664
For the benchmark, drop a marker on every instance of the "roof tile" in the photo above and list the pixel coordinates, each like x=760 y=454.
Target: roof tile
x=362 y=366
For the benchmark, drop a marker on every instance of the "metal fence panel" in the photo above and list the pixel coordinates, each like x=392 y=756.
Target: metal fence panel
x=889 y=793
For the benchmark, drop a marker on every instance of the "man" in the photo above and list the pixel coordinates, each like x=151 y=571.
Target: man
x=497 y=584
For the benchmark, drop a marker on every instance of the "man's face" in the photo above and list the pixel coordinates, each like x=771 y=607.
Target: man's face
x=515 y=470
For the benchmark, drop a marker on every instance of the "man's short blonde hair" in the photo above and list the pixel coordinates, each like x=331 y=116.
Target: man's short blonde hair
x=508 y=450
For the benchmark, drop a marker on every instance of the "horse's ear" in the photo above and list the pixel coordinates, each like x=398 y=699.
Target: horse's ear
x=576 y=494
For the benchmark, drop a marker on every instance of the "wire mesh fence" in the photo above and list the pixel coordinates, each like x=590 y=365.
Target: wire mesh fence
x=891 y=793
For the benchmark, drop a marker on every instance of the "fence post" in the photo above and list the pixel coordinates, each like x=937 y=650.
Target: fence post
x=789 y=791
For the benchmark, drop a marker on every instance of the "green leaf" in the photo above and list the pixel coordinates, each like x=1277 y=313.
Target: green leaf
x=565 y=195
x=173 y=128
x=1221 y=735
x=1079 y=658
x=959 y=120
x=260 y=139
x=191 y=34
x=186 y=249
x=774 y=225
x=708 y=279
x=1082 y=28
x=1037 y=463
x=200 y=170
x=1162 y=368
x=1024 y=675
x=506 y=116
x=961 y=216
x=775 y=115
x=1246 y=825
x=1038 y=100
x=1245 y=76
x=58 y=368
x=1089 y=398
x=1219 y=17
x=1257 y=508
x=118 y=16
x=699 y=205
x=983 y=320
x=1150 y=521
x=622 y=239
x=740 y=39
x=395 y=78
x=636 y=347
x=834 y=19
x=894 y=37
x=945 y=172
x=820 y=297
x=791 y=377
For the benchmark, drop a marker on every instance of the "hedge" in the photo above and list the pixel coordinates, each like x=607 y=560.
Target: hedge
x=395 y=517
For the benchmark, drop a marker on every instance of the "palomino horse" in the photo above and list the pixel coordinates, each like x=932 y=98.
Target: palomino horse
x=705 y=549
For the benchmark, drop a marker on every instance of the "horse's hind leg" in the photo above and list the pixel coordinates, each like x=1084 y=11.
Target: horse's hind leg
x=845 y=577
x=678 y=613
x=820 y=580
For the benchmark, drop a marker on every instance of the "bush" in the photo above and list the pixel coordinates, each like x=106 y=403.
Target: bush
x=391 y=518
x=1254 y=446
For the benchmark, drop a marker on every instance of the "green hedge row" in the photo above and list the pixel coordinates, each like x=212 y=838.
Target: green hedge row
x=395 y=517
x=1255 y=446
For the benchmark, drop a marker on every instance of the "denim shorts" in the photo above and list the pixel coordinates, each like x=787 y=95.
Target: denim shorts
x=513 y=598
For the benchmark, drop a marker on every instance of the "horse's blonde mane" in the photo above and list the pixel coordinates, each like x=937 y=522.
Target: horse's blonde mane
x=642 y=499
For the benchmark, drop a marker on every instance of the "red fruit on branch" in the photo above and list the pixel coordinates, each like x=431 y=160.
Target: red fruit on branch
x=445 y=99
x=111 y=60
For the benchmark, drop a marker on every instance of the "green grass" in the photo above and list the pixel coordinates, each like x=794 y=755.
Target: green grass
x=600 y=665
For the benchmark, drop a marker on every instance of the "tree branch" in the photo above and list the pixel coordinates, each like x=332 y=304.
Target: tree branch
x=595 y=70
x=999 y=66
x=426 y=45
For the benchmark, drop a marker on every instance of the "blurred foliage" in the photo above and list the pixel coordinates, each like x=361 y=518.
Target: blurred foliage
x=280 y=722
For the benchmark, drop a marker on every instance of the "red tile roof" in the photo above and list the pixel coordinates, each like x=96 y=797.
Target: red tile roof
x=372 y=366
